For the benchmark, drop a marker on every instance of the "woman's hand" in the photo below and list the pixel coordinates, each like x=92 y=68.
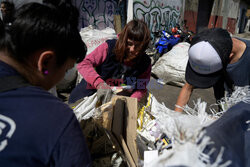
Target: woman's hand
x=104 y=92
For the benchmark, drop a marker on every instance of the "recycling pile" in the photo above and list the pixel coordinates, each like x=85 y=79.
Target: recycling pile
x=186 y=139
x=159 y=128
x=164 y=130
x=166 y=135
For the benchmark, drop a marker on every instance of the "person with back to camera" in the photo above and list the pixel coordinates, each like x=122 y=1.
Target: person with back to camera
x=8 y=11
x=215 y=60
x=37 y=128
x=117 y=62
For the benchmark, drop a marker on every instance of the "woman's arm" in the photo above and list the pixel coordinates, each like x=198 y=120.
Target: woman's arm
x=87 y=67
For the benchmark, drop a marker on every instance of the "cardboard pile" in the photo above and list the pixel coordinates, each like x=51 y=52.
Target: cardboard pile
x=120 y=122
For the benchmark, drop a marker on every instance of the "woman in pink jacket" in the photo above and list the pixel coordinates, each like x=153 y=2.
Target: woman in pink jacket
x=116 y=63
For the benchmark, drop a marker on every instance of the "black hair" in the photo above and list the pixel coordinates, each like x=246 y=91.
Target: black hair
x=46 y=26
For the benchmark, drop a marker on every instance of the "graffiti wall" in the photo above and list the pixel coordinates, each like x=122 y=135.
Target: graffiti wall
x=98 y=13
x=159 y=14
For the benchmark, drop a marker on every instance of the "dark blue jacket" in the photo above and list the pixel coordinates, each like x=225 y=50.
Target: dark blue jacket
x=37 y=129
x=232 y=132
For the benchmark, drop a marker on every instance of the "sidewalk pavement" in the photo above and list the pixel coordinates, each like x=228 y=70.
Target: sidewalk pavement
x=245 y=35
x=168 y=95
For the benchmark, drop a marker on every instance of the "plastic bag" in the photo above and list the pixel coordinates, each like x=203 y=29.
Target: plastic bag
x=171 y=67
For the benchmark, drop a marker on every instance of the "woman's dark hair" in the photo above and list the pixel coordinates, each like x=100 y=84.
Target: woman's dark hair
x=46 y=26
x=136 y=30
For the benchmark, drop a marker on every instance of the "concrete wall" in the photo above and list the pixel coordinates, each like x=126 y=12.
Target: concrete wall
x=159 y=14
x=190 y=14
x=216 y=18
x=98 y=13
x=224 y=14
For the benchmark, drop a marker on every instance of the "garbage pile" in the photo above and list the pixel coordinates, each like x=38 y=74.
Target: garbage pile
x=216 y=141
x=162 y=137
x=124 y=132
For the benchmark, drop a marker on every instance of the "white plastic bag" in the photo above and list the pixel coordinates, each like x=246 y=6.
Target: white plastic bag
x=94 y=37
x=171 y=67
x=86 y=108
x=68 y=79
